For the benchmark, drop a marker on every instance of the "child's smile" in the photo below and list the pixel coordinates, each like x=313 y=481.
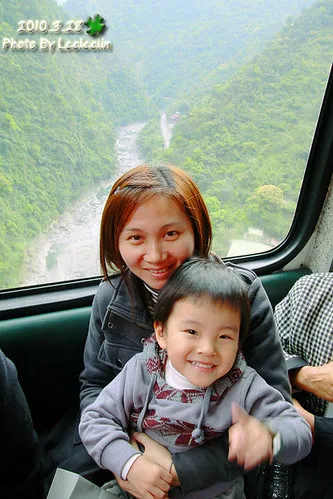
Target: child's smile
x=201 y=338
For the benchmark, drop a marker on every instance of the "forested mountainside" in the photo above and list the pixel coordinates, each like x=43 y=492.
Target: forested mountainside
x=58 y=113
x=246 y=142
x=241 y=106
x=176 y=44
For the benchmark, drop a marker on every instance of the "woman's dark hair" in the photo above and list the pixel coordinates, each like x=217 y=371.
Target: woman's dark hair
x=205 y=278
x=139 y=185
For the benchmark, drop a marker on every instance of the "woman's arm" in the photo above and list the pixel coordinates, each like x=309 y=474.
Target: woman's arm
x=262 y=348
x=321 y=427
x=95 y=375
x=187 y=462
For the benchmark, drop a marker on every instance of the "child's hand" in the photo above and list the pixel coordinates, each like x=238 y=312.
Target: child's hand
x=146 y=480
x=250 y=442
x=156 y=453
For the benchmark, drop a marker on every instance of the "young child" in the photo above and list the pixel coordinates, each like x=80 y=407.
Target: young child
x=180 y=390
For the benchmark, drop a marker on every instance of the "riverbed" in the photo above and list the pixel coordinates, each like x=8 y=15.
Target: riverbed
x=69 y=249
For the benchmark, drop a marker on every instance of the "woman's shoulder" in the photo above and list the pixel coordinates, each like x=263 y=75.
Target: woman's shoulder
x=107 y=289
x=248 y=275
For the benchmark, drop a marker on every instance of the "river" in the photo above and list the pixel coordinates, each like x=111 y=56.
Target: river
x=69 y=249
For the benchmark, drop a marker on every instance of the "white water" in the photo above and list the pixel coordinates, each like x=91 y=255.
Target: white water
x=69 y=250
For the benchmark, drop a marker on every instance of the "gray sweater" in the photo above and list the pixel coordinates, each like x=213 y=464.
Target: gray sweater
x=119 y=324
x=139 y=398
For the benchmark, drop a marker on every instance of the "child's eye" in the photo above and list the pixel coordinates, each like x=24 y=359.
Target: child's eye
x=225 y=337
x=191 y=331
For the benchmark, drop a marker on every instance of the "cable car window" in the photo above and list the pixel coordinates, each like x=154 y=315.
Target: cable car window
x=229 y=91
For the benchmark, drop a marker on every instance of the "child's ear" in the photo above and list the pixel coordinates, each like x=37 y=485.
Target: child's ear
x=160 y=334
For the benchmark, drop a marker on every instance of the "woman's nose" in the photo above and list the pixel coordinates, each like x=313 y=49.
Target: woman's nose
x=154 y=252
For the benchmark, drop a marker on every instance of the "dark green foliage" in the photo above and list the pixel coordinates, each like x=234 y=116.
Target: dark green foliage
x=245 y=129
x=246 y=141
x=58 y=114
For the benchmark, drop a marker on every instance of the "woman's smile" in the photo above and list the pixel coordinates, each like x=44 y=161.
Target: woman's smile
x=156 y=240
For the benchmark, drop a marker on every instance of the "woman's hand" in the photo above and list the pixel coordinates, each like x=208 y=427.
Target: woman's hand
x=317 y=380
x=156 y=453
x=146 y=480
x=308 y=416
x=250 y=442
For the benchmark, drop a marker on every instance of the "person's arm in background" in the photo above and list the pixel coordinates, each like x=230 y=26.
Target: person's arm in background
x=314 y=379
x=309 y=297
x=20 y=470
x=291 y=320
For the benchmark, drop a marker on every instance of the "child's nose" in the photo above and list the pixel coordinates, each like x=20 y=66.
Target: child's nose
x=207 y=347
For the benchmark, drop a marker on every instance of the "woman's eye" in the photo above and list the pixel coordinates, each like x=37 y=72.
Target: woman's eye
x=135 y=238
x=171 y=233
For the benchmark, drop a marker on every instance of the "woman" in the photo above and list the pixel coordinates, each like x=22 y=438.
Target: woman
x=155 y=218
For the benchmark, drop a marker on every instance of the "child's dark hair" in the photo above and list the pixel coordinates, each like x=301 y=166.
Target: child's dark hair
x=205 y=278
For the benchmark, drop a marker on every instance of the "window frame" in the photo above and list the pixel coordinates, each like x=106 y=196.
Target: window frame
x=43 y=298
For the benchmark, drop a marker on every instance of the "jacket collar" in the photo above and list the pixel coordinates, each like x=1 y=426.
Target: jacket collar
x=128 y=299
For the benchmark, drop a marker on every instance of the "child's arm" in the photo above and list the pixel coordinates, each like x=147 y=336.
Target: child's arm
x=102 y=432
x=146 y=480
x=279 y=417
x=102 y=425
x=250 y=441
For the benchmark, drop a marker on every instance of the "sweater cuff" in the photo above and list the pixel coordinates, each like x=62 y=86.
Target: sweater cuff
x=116 y=455
x=128 y=465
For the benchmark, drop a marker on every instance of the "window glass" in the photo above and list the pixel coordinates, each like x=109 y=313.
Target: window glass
x=229 y=91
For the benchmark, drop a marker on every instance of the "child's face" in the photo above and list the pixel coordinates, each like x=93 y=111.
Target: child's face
x=156 y=240
x=201 y=338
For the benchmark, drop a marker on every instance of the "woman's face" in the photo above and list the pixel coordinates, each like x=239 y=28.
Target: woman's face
x=156 y=240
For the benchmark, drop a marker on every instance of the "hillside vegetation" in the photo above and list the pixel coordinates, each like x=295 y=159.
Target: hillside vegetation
x=176 y=44
x=246 y=141
x=247 y=78
x=58 y=114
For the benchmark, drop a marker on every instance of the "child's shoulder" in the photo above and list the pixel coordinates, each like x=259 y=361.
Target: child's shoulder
x=254 y=385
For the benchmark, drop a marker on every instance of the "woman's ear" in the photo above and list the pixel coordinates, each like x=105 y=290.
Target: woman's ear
x=160 y=334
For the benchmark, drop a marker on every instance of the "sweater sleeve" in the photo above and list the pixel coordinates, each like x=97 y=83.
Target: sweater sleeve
x=267 y=405
x=103 y=424
x=263 y=352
